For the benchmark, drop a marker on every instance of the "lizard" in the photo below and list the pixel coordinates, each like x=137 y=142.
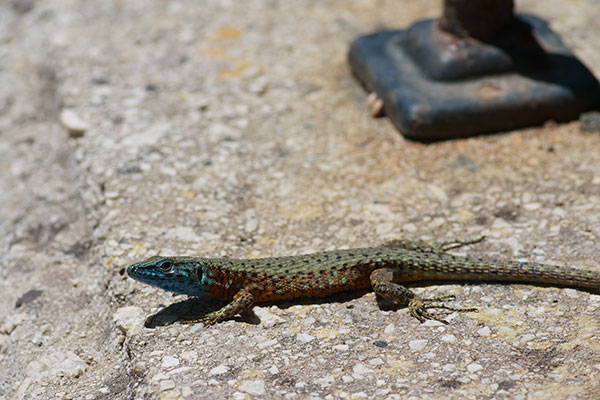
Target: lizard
x=244 y=282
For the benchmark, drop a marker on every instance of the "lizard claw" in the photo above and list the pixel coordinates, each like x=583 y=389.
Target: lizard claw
x=419 y=307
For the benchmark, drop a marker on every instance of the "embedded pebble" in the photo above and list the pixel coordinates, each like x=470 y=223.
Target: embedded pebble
x=376 y=362
x=267 y=344
x=417 y=345
x=389 y=329
x=572 y=293
x=341 y=347
x=474 y=367
x=148 y=137
x=485 y=331
x=304 y=337
x=532 y=206
x=184 y=233
x=166 y=384
x=129 y=319
x=526 y=338
x=169 y=362
x=11 y=322
x=218 y=370
x=254 y=387
x=409 y=228
x=449 y=368
x=186 y=391
x=251 y=221
x=267 y=318
x=259 y=85
x=384 y=228
x=325 y=381
x=179 y=370
x=448 y=338
x=73 y=123
x=360 y=369
x=58 y=364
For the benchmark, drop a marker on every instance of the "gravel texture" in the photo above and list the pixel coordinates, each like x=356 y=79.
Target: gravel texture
x=224 y=128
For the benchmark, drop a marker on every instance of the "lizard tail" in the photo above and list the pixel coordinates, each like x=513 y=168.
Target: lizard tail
x=464 y=269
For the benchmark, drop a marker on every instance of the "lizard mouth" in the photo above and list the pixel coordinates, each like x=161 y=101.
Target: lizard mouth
x=132 y=271
x=149 y=273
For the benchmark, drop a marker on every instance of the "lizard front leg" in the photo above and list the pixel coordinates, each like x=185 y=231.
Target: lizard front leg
x=242 y=301
x=384 y=286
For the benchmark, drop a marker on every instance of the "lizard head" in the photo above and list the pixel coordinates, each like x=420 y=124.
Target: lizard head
x=175 y=274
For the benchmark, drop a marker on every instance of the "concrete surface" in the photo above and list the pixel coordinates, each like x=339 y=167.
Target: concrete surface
x=129 y=128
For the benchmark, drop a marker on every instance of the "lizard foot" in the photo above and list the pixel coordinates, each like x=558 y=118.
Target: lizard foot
x=207 y=320
x=418 y=308
x=454 y=244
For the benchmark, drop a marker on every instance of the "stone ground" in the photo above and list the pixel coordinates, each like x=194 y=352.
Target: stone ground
x=235 y=128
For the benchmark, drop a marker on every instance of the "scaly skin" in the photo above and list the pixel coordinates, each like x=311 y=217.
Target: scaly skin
x=244 y=282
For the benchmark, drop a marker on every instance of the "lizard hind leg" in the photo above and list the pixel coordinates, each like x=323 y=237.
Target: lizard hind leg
x=414 y=245
x=454 y=244
x=424 y=247
x=383 y=285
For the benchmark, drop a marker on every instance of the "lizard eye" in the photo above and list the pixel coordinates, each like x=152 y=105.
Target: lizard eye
x=166 y=266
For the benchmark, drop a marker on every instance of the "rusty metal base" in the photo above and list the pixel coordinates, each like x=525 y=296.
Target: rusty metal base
x=434 y=88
